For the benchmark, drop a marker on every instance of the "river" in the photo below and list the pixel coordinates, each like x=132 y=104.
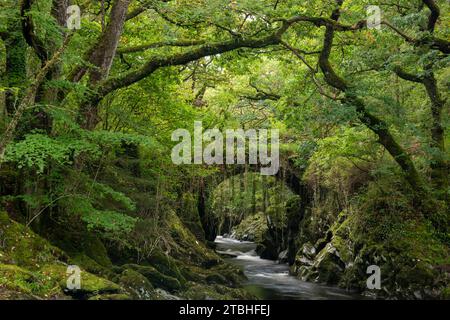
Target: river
x=270 y=280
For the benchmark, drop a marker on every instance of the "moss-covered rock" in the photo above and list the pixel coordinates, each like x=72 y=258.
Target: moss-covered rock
x=51 y=282
x=234 y=275
x=90 y=265
x=187 y=246
x=119 y=296
x=304 y=260
x=21 y=246
x=445 y=294
x=405 y=246
x=166 y=264
x=156 y=278
x=30 y=267
x=343 y=250
x=38 y=284
x=308 y=250
x=224 y=273
x=190 y=217
x=328 y=265
x=91 y=285
x=252 y=228
x=136 y=284
x=94 y=248
x=14 y=278
x=216 y=278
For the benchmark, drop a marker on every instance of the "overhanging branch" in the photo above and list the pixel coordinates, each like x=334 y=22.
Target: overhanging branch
x=182 y=58
x=434 y=15
x=154 y=45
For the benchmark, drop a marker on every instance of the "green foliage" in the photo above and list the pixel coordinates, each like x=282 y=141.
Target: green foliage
x=241 y=197
x=36 y=151
x=109 y=221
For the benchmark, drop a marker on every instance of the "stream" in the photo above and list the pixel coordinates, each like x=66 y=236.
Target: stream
x=270 y=280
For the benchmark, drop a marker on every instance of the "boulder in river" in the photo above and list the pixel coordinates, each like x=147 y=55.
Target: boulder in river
x=283 y=257
x=326 y=266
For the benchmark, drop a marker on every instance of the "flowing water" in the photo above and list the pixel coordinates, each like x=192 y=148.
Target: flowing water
x=270 y=280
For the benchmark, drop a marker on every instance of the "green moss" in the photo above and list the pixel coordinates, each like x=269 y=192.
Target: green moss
x=224 y=273
x=167 y=265
x=156 y=278
x=343 y=248
x=251 y=228
x=25 y=248
x=216 y=278
x=27 y=282
x=89 y=264
x=16 y=278
x=234 y=275
x=121 y=296
x=328 y=265
x=4 y=219
x=95 y=250
x=188 y=213
x=136 y=284
x=188 y=247
x=193 y=273
x=446 y=293
x=51 y=282
x=90 y=284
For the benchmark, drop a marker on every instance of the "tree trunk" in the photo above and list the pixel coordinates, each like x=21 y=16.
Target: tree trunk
x=439 y=166
x=376 y=125
x=15 y=69
x=102 y=58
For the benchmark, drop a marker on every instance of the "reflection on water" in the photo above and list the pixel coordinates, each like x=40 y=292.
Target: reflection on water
x=269 y=280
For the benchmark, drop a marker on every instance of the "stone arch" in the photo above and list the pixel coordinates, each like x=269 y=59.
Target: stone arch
x=286 y=174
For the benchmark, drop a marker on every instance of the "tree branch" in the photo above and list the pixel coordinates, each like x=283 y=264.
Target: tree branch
x=151 y=66
x=102 y=57
x=154 y=45
x=407 y=76
x=398 y=31
x=262 y=94
x=137 y=11
x=312 y=70
x=28 y=31
x=435 y=43
x=434 y=15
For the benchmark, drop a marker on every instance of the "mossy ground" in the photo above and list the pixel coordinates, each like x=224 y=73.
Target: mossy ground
x=32 y=268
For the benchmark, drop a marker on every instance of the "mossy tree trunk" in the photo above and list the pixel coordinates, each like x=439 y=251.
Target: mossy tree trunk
x=15 y=75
